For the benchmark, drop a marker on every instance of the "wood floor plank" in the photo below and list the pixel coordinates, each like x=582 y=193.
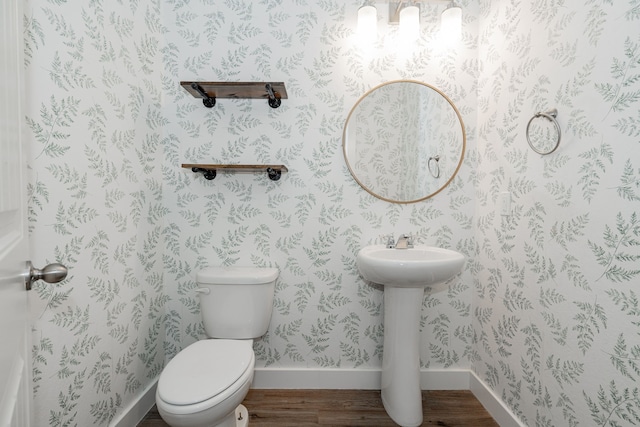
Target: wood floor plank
x=343 y=408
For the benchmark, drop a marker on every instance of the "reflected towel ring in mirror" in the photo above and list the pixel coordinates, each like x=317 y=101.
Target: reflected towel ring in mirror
x=542 y=143
x=434 y=166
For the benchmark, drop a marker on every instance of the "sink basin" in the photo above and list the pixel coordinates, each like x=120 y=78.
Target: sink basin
x=419 y=266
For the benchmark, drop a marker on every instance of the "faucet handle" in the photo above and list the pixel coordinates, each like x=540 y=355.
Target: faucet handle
x=390 y=241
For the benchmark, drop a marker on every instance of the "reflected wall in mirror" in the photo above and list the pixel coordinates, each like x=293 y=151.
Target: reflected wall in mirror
x=404 y=141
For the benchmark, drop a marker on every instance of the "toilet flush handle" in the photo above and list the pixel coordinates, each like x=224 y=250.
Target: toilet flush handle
x=203 y=291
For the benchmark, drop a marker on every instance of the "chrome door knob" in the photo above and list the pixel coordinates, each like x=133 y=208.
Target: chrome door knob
x=52 y=273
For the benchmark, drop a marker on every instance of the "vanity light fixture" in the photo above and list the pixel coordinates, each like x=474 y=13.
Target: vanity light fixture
x=451 y=22
x=368 y=21
x=406 y=14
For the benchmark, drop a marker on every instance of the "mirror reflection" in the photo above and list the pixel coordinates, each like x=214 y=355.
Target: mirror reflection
x=404 y=141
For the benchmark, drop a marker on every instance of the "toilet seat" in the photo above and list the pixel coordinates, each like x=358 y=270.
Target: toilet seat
x=206 y=369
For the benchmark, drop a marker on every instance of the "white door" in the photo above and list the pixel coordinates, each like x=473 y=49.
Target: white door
x=16 y=273
x=15 y=351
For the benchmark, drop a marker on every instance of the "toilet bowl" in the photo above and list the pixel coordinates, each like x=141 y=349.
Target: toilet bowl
x=205 y=384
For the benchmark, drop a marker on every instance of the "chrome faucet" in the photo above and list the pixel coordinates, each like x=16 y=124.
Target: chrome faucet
x=405 y=241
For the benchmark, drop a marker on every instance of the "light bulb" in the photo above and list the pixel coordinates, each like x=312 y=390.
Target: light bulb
x=451 y=23
x=368 y=22
x=410 y=23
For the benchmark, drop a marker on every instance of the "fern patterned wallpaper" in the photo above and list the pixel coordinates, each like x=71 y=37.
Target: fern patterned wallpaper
x=546 y=310
x=95 y=204
x=556 y=319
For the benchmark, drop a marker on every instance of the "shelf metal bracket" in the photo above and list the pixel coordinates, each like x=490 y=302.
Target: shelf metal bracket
x=274 y=174
x=209 y=174
x=273 y=101
x=208 y=101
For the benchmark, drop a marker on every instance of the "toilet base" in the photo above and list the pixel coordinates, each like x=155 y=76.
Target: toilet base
x=242 y=416
x=238 y=418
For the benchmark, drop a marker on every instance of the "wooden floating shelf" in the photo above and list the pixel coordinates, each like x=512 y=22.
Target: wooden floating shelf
x=274 y=92
x=274 y=172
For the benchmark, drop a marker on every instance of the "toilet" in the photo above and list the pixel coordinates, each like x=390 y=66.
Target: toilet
x=205 y=384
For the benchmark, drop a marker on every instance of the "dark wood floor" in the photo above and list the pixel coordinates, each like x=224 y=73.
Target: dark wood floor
x=336 y=408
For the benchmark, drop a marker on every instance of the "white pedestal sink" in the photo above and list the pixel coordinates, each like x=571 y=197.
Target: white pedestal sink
x=405 y=273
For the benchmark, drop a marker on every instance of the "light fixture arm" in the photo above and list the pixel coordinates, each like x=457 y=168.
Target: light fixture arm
x=394 y=12
x=396 y=6
x=451 y=4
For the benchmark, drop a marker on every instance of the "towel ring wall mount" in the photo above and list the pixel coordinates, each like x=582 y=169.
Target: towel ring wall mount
x=551 y=116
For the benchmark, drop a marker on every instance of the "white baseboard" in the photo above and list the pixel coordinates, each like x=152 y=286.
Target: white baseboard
x=137 y=409
x=351 y=379
x=492 y=403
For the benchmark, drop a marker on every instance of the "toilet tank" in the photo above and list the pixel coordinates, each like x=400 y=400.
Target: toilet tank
x=236 y=302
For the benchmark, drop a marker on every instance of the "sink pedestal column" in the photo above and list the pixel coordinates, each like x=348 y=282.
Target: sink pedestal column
x=401 y=393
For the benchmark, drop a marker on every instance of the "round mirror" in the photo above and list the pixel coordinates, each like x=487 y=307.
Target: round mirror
x=404 y=141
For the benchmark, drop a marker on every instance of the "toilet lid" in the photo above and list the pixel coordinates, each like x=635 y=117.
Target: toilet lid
x=203 y=370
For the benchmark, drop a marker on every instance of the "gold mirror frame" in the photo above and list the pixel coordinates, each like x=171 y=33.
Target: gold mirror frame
x=426 y=166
